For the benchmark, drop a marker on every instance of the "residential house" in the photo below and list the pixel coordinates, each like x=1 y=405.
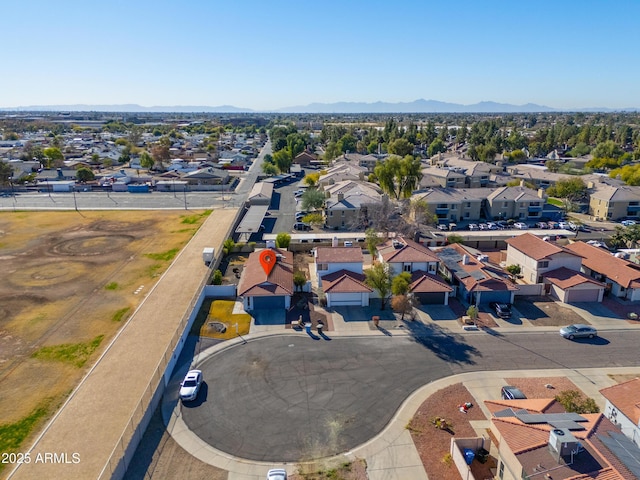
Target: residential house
x=550 y=444
x=403 y=255
x=370 y=161
x=340 y=275
x=476 y=280
x=614 y=203
x=623 y=407
x=207 y=176
x=556 y=267
x=348 y=202
x=515 y=202
x=621 y=276
x=260 y=290
x=453 y=205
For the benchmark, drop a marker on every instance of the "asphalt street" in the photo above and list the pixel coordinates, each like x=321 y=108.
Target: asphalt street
x=288 y=398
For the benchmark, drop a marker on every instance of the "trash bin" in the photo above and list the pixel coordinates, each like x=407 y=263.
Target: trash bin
x=307 y=326
x=482 y=455
x=469 y=456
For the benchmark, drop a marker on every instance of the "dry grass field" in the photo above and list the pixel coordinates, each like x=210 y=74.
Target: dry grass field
x=69 y=281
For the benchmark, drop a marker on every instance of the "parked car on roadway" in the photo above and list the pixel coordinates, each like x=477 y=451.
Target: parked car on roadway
x=190 y=386
x=492 y=226
x=564 y=225
x=502 y=225
x=443 y=226
x=520 y=226
x=473 y=227
x=627 y=223
x=503 y=310
x=578 y=330
x=509 y=392
x=542 y=225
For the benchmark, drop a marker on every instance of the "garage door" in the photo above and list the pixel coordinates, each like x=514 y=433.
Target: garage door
x=575 y=296
x=268 y=302
x=434 y=298
x=338 y=299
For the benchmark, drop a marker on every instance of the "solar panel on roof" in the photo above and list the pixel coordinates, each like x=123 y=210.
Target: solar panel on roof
x=624 y=449
x=478 y=275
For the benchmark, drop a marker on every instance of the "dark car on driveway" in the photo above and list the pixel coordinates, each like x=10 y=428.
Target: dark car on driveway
x=512 y=393
x=502 y=310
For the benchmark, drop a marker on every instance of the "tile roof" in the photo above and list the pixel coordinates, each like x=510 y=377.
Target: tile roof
x=424 y=282
x=409 y=252
x=599 y=260
x=535 y=247
x=626 y=398
x=566 y=278
x=339 y=255
x=532 y=405
x=344 y=281
x=254 y=282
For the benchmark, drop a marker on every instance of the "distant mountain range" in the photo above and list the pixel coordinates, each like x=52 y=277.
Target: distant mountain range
x=417 y=106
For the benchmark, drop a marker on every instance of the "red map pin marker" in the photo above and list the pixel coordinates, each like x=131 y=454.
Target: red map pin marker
x=267 y=260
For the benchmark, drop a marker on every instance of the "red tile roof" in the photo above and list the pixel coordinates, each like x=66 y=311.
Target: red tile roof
x=599 y=260
x=566 y=278
x=339 y=255
x=424 y=282
x=626 y=398
x=535 y=247
x=255 y=282
x=409 y=252
x=344 y=281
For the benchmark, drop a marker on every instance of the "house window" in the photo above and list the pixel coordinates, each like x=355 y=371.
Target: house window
x=505 y=204
x=501 y=470
x=323 y=266
x=443 y=205
x=466 y=215
x=543 y=264
x=432 y=268
x=342 y=213
x=406 y=267
x=467 y=205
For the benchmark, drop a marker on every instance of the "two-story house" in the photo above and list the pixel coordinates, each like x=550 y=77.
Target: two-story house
x=445 y=177
x=621 y=277
x=623 y=407
x=404 y=255
x=340 y=276
x=515 y=202
x=556 y=267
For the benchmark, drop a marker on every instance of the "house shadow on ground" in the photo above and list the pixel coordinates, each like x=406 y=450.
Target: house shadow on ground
x=445 y=345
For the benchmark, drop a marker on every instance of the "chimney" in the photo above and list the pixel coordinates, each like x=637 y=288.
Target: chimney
x=340 y=197
x=522 y=182
x=540 y=193
x=334 y=242
x=59 y=170
x=465 y=259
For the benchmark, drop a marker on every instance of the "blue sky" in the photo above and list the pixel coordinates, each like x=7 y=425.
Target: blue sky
x=278 y=53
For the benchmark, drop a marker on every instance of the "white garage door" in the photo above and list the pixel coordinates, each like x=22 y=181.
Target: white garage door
x=574 y=296
x=338 y=299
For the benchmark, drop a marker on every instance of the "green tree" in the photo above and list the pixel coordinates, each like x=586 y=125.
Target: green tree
x=517 y=156
x=84 y=174
x=282 y=159
x=437 y=146
x=574 y=401
x=299 y=280
x=455 y=239
x=401 y=283
x=312 y=199
x=283 y=239
x=347 y=144
x=313 y=219
x=331 y=151
x=514 y=271
x=372 y=240
x=378 y=277
x=6 y=172
x=609 y=149
x=228 y=246
x=269 y=168
x=217 y=277
x=400 y=147
x=146 y=160
x=399 y=177
x=421 y=214
x=571 y=189
x=53 y=157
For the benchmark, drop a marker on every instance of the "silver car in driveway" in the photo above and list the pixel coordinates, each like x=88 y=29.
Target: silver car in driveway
x=578 y=331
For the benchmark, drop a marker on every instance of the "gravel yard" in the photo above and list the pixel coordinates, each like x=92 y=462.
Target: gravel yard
x=545 y=312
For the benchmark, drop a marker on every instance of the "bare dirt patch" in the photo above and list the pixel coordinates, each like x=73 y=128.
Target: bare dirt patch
x=53 y=291
x=542 y=387
x=544 y=312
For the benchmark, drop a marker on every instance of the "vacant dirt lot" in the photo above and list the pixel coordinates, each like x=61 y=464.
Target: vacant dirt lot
x=68 y=278
x=545 y=312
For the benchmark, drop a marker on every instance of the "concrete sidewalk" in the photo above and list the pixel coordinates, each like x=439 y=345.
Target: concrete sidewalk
x=97 y=418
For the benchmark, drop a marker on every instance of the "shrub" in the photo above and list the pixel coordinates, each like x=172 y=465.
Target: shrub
x=574 y=401
x=217 y=277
